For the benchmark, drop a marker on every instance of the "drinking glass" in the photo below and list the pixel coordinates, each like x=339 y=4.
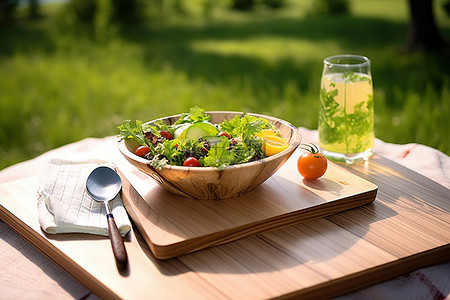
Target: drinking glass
x=346 y=113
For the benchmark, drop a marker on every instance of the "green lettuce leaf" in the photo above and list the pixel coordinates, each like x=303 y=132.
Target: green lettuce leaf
x=129 y=131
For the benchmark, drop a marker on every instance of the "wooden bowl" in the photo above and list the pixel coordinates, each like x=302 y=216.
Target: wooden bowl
x=209 y=182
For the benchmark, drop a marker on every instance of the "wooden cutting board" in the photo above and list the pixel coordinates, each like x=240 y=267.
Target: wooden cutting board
x=173 y=225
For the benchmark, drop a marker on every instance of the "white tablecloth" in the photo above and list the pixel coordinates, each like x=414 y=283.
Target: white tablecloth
x=25 y=273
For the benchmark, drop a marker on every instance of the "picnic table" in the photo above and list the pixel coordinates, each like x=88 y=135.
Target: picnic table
x=396 y=247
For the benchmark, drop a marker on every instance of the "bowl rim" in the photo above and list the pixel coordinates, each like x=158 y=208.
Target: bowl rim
x=297 y=137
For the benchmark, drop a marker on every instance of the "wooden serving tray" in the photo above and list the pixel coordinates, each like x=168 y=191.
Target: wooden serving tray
x=173 y=225
x=407 y=228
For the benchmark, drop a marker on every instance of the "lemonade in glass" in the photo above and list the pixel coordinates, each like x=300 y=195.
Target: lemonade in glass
x=346 y=113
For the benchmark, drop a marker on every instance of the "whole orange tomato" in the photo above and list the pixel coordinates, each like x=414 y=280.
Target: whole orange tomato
x=312 y=164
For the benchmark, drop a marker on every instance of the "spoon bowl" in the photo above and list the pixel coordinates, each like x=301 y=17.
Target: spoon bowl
x=103 y=185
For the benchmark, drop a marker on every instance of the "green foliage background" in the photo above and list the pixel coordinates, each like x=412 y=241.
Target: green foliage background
x=61 y=82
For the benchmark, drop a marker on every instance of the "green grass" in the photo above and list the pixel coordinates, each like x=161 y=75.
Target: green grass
x=59 y=86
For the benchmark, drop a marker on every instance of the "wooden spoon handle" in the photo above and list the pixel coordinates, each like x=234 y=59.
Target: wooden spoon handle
x=117 y=244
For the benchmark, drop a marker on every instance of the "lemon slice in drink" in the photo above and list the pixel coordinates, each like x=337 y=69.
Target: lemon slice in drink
x=272 y=144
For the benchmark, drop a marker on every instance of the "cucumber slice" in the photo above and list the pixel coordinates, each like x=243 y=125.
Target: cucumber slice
x=180 y=132
x=214 y=140
x=198 y=130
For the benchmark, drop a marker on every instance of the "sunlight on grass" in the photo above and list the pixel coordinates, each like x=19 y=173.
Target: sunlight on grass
x=392 y=10
x=268 y=49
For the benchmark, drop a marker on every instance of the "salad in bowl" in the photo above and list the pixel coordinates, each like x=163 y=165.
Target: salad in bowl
x=209 y=155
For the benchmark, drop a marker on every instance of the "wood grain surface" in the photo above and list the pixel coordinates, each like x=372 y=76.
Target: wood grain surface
x=407 y=227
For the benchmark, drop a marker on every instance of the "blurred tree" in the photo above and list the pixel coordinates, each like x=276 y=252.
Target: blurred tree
x=120 y=11
x=247 y=5
x=7 y=8
x=243 y=5
x=102 y=20
x=446 y=7
x=274 y=4
x=333 y=7
x=33 y=8
x=423 y=32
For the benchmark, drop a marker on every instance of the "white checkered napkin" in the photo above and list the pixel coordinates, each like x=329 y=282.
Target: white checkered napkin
x=64 y=206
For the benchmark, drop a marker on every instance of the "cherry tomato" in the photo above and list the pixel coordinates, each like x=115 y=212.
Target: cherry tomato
x=166 y=134
x=224 y=134
x=142 y=151
x=312 y=164
x=191 y=162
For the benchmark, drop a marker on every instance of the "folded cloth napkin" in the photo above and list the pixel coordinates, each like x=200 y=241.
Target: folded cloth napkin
x=64 y=206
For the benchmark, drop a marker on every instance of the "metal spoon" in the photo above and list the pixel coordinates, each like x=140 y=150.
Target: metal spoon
x=103 y=185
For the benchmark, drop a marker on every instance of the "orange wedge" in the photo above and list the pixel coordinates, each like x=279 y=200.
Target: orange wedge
x=272 y=144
